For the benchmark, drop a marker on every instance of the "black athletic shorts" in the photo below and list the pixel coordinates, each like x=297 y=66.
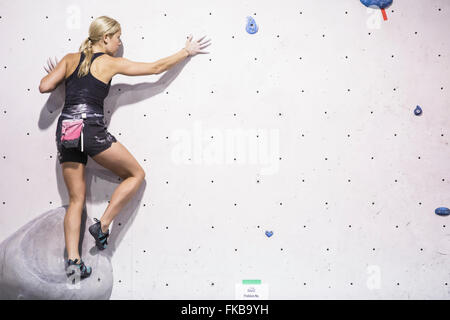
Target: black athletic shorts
x=96 y=139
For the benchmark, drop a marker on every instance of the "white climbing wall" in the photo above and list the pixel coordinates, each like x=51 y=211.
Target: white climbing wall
x=305 y=129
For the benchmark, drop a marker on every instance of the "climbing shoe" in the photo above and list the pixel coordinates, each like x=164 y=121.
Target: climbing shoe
x=100 y=237
x=79 y=268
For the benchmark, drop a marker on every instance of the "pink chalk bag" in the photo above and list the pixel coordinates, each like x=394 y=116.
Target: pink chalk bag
x=72 y=132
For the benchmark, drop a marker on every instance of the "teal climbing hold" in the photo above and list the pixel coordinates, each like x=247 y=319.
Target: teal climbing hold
x=251 y=25
x=418 y=111
x=442 y=211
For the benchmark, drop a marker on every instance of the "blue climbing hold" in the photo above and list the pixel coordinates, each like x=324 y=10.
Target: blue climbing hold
x=442 y=211
x=377 y=3
x=251 y=26
x=418 y=111
x=269 y=233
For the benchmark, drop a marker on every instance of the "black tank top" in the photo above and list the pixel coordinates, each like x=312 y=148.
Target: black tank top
x=85 y=94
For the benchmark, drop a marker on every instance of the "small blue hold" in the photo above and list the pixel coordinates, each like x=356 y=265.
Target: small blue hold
x=269 y=233
x=251 y=26
x=377 y=3
x=442 y=211
x=418 y=111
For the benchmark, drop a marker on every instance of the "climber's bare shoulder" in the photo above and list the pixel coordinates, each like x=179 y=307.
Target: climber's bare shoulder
x=120 y=65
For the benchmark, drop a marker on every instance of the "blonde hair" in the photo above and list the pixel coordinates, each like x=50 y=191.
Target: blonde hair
x=98 y=28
